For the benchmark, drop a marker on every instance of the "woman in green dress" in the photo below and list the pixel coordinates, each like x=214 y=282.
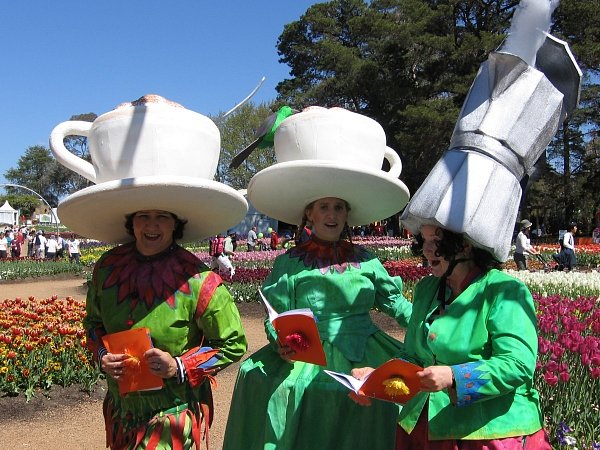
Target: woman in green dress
x=152 y=282
x=279 y=403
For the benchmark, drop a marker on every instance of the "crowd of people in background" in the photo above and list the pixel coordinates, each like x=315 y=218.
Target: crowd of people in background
x=27 y=242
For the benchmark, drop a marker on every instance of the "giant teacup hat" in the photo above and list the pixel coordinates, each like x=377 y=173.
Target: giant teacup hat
x=510 y=115
x=148 y=154
x=330 y=153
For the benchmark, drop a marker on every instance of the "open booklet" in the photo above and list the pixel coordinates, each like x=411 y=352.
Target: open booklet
x=298 y=329
x=137 y=375
x=394 y=381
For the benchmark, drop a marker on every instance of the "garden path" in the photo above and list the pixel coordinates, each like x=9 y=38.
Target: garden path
x=72 y=420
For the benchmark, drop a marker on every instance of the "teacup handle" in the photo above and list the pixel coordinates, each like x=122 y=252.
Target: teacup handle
x=64 y=156
x=395 y=162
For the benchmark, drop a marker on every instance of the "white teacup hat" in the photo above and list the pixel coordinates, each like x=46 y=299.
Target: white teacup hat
x=330 y=153
x=149 y=154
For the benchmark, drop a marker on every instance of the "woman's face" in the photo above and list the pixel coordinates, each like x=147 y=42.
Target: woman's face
x=153 y=231
x=328 y=216
x=432 y=234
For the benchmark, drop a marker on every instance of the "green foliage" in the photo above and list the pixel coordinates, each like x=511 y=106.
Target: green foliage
x=34 y=170
x=28 y=268
x=25 y=203
x=237 y=132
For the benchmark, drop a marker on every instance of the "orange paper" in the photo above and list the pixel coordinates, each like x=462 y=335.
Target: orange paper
x=300 y=321
x=373 y=385
x=136 y=374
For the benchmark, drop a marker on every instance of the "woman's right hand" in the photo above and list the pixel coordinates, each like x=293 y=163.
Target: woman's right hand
x=113 y=364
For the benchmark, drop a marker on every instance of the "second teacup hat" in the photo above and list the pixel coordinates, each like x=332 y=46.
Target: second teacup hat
x=332 y=152
x=150 y=154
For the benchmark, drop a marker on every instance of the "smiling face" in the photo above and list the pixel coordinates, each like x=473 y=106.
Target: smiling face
x=153 y=231
x=431 y=235
x=328 y=216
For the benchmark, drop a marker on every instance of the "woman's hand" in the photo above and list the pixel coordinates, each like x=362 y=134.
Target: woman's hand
x=359 y=374
x=286 y=352
x=435 y=378
x=114 y=364
x=161 y=363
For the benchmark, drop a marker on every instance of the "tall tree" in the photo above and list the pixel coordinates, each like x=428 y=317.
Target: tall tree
x=34 y=170
x=409 y=64
x=406 y=63
x=573 y=155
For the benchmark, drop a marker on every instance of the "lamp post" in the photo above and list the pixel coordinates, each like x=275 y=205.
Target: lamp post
x=41 y=198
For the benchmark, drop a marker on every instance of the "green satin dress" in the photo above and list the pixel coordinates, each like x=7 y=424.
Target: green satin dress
x=281 y=405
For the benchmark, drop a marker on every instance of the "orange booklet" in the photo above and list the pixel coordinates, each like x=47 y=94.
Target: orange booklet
x=298 y=329
x=137 y=375
x=394 y=381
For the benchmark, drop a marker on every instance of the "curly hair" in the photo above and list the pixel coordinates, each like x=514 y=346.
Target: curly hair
x=177 y=232
x=451 y=244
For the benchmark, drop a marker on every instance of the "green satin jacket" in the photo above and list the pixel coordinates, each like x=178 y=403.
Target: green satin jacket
x=488 y=336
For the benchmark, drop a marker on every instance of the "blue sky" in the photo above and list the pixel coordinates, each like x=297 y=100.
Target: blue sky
x=72 y=57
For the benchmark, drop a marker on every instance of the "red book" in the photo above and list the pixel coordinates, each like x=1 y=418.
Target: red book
x=136 y=374
x=298 y=329
x=384 y=382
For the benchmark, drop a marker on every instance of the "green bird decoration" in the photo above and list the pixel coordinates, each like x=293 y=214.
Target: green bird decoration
x=264 y=136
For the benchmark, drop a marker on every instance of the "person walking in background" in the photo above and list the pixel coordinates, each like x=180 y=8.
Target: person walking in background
x=566 y=258
x=51 y=247
x=523 y=246
x=73 y=249
x=220 y=261
x=274 y=239
x=39 y=245
x=3 y=245
x=251 y=241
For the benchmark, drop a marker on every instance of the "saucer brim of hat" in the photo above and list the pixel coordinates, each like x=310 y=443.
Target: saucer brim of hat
x=283 y=190
x=98 y=212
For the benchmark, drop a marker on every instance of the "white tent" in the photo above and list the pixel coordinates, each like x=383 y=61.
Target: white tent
x=8 y=214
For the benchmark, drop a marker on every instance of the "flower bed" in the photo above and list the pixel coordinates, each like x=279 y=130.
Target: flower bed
x=42 y=341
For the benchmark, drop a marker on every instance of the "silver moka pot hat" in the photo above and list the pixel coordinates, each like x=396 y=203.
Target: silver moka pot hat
x=510 y=115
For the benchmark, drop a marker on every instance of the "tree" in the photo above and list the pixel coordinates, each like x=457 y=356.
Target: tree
x=406 y=63
x=237 y=132
x=573 y=154
x=34 y=171
x=66 y=180
x=409 y=64
x=38 y=170
x=25 y=203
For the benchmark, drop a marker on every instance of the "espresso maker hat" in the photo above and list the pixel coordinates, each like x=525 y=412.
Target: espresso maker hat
x=149 y=154
x=510 y=115
x=332 y=152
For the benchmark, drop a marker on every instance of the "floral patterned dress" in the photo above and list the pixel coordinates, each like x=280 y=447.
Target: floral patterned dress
x=281 y=405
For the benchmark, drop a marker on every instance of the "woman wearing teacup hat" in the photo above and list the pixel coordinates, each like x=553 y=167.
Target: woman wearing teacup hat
x=328 y=173
x=146 y=202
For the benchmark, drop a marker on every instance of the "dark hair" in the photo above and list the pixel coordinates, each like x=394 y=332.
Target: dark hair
x=177 y=232
x=571 y=226
x=451 y=244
